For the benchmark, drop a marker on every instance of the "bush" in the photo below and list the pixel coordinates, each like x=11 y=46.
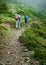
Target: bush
x=3 y=8
x=33 y=38
x=2 y=34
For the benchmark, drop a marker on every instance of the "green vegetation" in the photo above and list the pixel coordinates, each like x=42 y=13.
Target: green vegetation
x=3 y=8
x=34 y=38
x=9 y=16
x=4 y=31
x=2 y=36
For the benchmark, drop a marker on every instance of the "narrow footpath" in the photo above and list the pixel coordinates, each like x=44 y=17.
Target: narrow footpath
x=16 y=54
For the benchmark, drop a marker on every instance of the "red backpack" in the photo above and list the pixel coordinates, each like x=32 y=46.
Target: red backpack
x=16 y=17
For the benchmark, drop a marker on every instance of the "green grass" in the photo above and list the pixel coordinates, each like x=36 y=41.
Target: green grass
x=4 y=31
x=5 y=18
x=34 y=38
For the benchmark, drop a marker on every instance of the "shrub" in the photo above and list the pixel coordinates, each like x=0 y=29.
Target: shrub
x=33 y=38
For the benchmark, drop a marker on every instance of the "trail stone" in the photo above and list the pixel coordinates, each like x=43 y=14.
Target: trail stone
x=25 y=64
x=1 y=63
x=25 y=50
x=8 y=52
x=28 y=59
x=36 y=63
x=17 y=63
x=25 y=54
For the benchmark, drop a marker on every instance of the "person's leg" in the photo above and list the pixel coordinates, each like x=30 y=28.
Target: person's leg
x=19 y=24
x=16 y=24
x=27 y=25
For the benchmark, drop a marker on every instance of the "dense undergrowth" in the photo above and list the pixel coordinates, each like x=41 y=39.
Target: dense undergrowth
x=34 y=38
x=4 y=31
x=2 y=36
x=8 y=15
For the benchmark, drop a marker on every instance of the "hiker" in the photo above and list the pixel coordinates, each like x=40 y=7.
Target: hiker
x=17 y=18
x=26 y=20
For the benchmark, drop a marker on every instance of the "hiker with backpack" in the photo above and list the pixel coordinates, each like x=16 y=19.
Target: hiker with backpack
x=17 y=18
x=26 y=20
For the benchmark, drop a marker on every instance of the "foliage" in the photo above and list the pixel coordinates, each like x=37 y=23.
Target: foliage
x=39 y=13
x=2 y=36
x=34 y=39
x=4 y=31
x=3 y=8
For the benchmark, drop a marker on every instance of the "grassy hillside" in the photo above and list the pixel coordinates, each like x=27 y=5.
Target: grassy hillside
x=34 y=38
x=13 y=9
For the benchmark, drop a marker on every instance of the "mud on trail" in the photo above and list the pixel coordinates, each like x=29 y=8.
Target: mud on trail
x=15 y=53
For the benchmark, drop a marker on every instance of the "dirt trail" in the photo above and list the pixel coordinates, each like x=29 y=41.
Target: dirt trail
x=16 y=54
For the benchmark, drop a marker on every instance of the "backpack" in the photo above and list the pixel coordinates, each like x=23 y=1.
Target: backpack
x=26 y=17
x=16 y=17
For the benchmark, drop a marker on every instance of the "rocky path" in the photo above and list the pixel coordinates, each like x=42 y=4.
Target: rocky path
x=16 y=54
